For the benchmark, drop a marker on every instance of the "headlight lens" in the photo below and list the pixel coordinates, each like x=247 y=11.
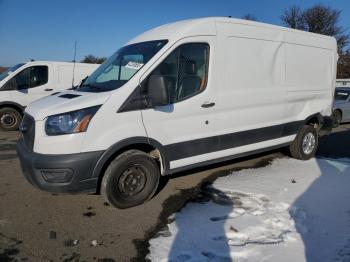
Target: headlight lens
x=70 y=122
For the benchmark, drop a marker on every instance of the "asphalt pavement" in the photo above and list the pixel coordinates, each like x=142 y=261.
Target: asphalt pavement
x=40 y=226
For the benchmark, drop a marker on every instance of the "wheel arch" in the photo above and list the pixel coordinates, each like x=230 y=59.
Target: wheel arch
x=323 y=124
x=144 y=144
x=13 y=105
x=314 y=119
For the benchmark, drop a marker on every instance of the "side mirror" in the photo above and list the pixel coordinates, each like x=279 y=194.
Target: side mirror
x=158 y=92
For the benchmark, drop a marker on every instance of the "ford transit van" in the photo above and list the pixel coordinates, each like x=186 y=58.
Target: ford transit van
x=182 y=95
x=26 y=82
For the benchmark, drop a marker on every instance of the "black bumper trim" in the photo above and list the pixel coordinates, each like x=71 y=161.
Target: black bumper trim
x=82 y=164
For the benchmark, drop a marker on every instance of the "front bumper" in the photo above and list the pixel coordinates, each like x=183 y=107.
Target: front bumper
x=70 y=173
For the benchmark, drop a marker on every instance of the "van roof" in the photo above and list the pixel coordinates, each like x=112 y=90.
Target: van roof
x=207 y=26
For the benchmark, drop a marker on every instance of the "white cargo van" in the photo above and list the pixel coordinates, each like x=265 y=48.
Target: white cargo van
x=26 y=82
x=182 y=95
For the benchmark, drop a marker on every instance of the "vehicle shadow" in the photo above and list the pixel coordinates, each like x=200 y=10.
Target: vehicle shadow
x=323 y=220
x=211 y=222
x=335 y=145
x=323 y=217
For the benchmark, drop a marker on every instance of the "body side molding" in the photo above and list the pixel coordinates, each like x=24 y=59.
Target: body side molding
x=206 y=145
x=222 y=159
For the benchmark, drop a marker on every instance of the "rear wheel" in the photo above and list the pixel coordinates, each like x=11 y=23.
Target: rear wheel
x=337 y=117
x=305 y=144
x=130 y=180
x=10 y=119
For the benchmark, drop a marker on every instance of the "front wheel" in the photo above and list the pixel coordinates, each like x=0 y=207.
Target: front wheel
x=305 y=144
x=131 y=179
x=10 y=119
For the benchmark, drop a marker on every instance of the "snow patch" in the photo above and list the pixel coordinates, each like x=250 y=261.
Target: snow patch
x=272 y=221
x=261 y=215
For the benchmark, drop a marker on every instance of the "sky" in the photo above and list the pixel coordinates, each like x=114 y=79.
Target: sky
x=47 y=30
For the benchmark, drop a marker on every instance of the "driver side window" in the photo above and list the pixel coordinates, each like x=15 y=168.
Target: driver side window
x=21 y=80
x=28 y=78
x=185 y=71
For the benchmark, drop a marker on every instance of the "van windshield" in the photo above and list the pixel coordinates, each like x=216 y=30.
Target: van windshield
x=7 y=72
x=121 y=66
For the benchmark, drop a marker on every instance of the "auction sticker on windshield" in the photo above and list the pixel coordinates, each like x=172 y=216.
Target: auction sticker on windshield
x=134 y=65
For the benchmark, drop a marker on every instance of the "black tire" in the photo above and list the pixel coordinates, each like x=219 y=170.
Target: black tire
x=131 y=179
x=297 y=150
x=337 y=117
x=10 y=119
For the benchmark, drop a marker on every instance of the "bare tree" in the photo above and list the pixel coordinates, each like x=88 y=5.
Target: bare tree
x=343 y=70
x=324 y=20
x=318 y=19
x=250 y=17
x=91 y=59
x=293 y=18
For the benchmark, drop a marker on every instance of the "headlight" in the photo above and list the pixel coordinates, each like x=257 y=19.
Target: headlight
x=70 y=122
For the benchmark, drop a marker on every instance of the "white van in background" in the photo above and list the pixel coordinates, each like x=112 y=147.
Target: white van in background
x=24 y=83
x=182 y=95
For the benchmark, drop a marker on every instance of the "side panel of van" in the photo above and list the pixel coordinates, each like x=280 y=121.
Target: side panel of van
x=253 y=94
x=309 y=77
x=258 y=82
x=64 y=77
x=245 y=81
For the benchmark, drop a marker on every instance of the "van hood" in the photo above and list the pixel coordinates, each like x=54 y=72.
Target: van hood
x=63 y=102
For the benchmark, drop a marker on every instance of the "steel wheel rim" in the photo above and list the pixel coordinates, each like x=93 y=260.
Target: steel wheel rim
x=309 y=143
x=8 y=120
x=337 y=119
x=132 y=181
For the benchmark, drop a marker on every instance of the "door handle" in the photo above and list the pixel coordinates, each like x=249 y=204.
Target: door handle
x=48 y=89
x=208 y=104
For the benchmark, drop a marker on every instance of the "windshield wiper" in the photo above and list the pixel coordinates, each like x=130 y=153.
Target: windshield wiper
x=91 y=86
x=82 y=81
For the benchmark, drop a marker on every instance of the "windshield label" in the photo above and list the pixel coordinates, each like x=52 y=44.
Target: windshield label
x=134 y=65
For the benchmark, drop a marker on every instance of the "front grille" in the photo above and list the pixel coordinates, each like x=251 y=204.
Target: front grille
x=28 y=131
